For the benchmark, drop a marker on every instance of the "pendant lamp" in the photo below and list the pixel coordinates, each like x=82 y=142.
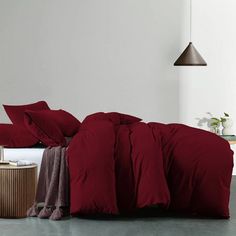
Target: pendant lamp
x=190 y=56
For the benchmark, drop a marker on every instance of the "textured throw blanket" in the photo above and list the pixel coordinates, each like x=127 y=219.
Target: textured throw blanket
x=53 y=186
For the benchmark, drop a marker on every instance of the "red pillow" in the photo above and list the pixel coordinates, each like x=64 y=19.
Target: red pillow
x=15 y=136
x=16 y=112
x=115 y=117
x=66 y=122
x=45 y=130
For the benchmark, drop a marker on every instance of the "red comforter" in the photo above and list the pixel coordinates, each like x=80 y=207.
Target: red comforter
x=116 y=167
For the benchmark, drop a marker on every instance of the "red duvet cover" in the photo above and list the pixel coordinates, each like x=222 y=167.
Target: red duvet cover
x=116 y=168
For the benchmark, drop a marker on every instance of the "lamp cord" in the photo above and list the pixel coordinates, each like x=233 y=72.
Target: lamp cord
x=190 y=25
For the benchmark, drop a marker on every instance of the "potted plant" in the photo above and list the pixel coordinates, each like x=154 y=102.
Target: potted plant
x=215 y=125
x=226 y=122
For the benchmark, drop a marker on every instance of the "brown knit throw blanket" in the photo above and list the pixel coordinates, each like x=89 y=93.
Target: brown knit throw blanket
x=53 y=186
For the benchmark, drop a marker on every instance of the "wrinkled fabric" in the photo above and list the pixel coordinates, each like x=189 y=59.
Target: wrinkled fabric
x=117 y=168
x=198 y=166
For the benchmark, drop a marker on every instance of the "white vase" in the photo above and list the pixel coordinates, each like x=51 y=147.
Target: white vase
x=227 y=124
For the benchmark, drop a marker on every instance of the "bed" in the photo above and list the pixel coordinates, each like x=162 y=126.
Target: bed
x=118 y=164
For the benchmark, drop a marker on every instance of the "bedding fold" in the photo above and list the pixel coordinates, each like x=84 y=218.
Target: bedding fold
x=117 y=167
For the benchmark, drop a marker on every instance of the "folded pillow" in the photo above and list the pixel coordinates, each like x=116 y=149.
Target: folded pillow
x=65 y=121
x=115 y=117
x=45 y=130
x=15 y=136
x=50 y=126
x=16 y=112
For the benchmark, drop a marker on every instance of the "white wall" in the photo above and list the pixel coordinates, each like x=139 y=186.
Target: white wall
x=88 y=55
x=213 y=88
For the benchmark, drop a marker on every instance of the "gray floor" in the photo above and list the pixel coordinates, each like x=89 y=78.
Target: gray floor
x=141 y=226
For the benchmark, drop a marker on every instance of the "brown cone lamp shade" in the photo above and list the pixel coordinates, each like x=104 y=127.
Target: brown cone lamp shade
x=190 y=57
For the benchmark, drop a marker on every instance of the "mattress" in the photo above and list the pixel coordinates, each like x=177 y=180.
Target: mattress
x=31 y=154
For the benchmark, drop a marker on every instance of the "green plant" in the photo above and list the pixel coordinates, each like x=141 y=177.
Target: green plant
x=223 y=119
x=216 y=122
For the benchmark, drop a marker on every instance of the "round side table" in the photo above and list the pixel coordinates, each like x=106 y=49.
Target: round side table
x=17 y=190
x=232 y=142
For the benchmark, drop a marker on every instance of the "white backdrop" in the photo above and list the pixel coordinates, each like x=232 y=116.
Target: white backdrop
x=88 y=56
x=212 y=88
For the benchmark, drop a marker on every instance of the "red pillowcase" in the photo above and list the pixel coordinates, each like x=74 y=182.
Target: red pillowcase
x=66 y=122
x=115 y=117
x=50 y=126
x=15 y=136
x=45 y=130
x=16 y=112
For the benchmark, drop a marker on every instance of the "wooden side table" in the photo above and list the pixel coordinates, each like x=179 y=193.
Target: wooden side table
x=232 y=142
x=17 y=190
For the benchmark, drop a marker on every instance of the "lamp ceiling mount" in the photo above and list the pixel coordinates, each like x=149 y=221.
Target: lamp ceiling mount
x=190 y=56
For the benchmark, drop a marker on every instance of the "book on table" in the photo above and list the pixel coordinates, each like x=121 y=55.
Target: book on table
x=21 y=163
